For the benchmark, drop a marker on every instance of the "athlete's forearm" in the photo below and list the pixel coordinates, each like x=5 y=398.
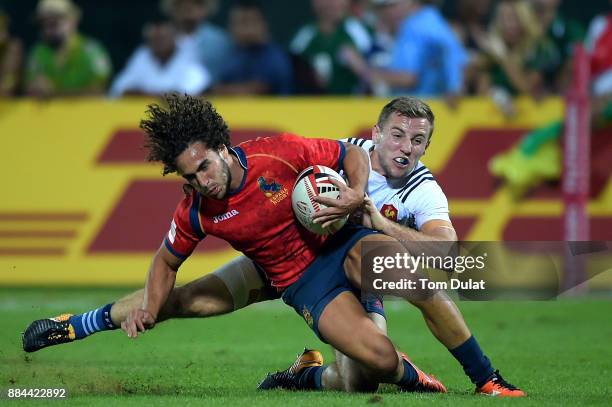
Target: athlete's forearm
x=160 y=281
x=400 y=232
x=436 y=240
x=356 y=167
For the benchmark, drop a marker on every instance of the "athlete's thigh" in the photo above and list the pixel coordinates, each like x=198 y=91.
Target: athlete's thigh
x=231 y=287
x=245 y=282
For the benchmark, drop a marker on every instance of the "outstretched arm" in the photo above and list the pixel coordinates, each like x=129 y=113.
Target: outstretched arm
x=160 y=281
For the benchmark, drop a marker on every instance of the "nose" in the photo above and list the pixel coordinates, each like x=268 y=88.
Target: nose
x=202 y=179
x=406 y=147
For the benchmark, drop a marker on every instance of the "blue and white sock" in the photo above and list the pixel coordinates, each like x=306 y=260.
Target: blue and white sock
x=93 y=321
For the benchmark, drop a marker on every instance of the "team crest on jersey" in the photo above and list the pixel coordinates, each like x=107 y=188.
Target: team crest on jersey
x=272 y=190
x=389 y=211
x=307 y=316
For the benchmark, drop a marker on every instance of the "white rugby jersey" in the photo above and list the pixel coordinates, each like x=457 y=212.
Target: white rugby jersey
x=420 y=199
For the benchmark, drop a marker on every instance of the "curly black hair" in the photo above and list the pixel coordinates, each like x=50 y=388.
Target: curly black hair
x=184 y=120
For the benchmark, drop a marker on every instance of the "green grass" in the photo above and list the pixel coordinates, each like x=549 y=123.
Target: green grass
x=559 y=352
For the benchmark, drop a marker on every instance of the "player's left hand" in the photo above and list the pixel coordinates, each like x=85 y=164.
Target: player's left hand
x=348 y=201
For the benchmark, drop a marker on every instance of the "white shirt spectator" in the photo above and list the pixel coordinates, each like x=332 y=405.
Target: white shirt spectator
x=209 y=45
x=144 y=74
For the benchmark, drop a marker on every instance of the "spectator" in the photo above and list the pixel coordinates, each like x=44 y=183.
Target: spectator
x=471 y=23
x=64 y=62
x=256 y=64
x=160 y=66
x=208 y=43
x=427 y=59
x=553 y=53
x=362 y=11
x=379 y=54
x=509 y=54
x=537 y=157
x=599 y=44
x=10 y=59
x=320 y=44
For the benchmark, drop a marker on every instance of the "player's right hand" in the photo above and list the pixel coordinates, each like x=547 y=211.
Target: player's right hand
x=372 y=218
x=138 y=320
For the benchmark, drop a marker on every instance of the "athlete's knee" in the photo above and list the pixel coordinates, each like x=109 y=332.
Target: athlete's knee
x=386 y=363
x=382 y=358
x=206 y=298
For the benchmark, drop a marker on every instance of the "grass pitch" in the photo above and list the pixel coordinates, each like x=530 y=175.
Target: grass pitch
x=559 y=352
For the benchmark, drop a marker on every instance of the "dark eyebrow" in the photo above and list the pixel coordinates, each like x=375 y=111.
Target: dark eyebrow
x=204 y=163
x=398 y=129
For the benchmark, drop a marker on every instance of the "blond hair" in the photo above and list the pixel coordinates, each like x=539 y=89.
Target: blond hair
x=531 y=28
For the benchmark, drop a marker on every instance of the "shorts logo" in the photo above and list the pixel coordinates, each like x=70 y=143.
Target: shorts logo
x=272 y=190
x=389 y=211
x=307 y=317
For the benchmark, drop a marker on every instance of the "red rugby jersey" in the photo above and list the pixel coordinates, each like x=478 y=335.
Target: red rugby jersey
x=257 y=218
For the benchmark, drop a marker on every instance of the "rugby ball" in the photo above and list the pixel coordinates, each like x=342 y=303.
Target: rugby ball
x=314 y=181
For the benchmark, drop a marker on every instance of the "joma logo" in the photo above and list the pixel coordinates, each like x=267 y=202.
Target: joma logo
x=225 y=216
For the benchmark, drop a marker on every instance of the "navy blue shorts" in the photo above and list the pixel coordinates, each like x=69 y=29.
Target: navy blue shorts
x=325 y=279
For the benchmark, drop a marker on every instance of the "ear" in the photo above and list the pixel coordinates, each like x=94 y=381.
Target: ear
x=224 y=152
x=376 y=134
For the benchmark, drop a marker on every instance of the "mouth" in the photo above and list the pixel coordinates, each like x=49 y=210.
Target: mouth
x=401 y=162
x=213 y=191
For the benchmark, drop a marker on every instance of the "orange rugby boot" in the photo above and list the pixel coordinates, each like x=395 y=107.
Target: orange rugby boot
x=426 y=383
x=496 y=386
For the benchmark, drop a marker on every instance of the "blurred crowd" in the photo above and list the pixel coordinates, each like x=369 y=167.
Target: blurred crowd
x=497 y=48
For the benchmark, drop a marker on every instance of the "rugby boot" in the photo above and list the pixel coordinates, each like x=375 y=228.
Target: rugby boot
x=496 y=386
x=288 y=378
x=47 y=332
x=425 y=384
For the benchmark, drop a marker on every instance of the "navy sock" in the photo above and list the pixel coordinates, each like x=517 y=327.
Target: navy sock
x=410 y=376
x=475 y=364
x=310 y=378
x=93 y=321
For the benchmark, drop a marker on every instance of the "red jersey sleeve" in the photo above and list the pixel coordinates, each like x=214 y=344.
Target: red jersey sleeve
x=185 y=230
x=314 y=151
